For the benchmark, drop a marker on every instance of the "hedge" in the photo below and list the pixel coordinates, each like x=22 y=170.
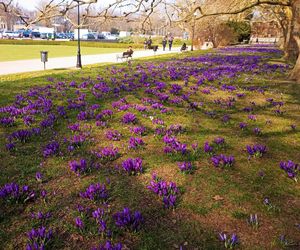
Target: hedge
x=70 y=43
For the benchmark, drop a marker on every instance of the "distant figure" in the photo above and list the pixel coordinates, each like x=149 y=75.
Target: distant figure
x=171 y=38
x=128 y=53
x=257 y=40
x=149 y=42
x=183 y=47
x=164 y=43
x=145 y=43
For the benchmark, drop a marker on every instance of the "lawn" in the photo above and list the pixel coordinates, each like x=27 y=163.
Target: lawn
x=166 y=138
x=24 y=52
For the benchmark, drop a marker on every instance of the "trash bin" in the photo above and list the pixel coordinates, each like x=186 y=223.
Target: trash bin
x=44 y=57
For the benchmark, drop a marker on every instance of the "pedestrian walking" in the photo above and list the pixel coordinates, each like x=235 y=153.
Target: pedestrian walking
x=164 y=43
x=149 y=42
x=145 y=44
x=171 y=38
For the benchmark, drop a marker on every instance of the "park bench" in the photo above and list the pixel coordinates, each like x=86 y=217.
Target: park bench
x=125 y=56
x=184 y=50
x=153 y=47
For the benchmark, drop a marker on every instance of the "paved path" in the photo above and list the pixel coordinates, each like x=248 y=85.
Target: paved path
x=22 y=66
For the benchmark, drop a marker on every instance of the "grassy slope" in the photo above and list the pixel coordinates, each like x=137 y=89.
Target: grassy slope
x=198 y=217
x=23 y=52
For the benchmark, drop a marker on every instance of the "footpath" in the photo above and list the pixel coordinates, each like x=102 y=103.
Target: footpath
x=21 y=66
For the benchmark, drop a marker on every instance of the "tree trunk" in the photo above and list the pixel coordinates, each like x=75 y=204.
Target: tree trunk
x=295 y=74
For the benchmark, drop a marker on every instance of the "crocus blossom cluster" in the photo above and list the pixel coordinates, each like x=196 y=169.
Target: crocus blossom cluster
x=113 y=135
x=109 y=246
x=256 y=150
x=128 y=219
x=129 y=118
x=185 y=167
x=290 y=168
x=79 y=167
x=39 y=238
x=168 y=191
x=229 y=242
x=135 y=142
x=96 y=192
x=133 y=166
x=13 y=193
x=108 y=154
x=222 y=161
x=51 y=149
x=174 y=146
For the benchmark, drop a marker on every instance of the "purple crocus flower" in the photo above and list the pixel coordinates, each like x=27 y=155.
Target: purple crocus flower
x=256 y=150
x=135 y=142
x=229 y=242
x=113 y=135
x=243 y=125
x=51 y=149
x=12 y=192
x=96 y=192
x=79 y=223
x=129 y=118
x=290 y=168
x=257 y=131
x=129 y=220
x=109 y=246
x=38 y=177
x=38 y=238
x=133 y=166
x=168 y=191
x=185 y=167
x=207 y=148
x=79 y=167
x=222 y=161
x=219 y=141
x=138 y=130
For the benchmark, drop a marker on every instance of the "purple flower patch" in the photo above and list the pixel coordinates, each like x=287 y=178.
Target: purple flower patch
x=135 y=142
x=13 y=193
x=133 y=166
x=168 y=191
x=292 y=169
x=129 y=118
x=95 y=192
x=128 y=220
x=256 y=150
x=222 y=161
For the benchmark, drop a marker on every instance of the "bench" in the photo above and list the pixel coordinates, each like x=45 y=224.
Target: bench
x=126 y=56
x=184 y=50
x=153 y=47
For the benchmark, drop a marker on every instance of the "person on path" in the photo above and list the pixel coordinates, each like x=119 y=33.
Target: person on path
x=129 y=52
x=171 y=38
x=164 y=43
x=149 y=42
x=183 y=47
x=145 y=44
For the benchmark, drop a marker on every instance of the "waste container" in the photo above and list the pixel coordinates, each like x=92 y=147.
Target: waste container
x=44 y=57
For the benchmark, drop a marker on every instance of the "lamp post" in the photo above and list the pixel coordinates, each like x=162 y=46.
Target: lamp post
x=78 y=64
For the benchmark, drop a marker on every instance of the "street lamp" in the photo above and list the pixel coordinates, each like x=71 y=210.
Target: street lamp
x=78 y=64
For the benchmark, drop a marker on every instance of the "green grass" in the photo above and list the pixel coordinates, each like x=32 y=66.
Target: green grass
x=199 y=216
x=24 y=52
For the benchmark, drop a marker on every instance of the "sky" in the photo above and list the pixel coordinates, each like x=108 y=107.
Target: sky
x=31 y=4
x=28 y=4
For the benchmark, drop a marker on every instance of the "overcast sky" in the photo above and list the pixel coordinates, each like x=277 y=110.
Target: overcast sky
x=28 y=4
x=31 y=4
